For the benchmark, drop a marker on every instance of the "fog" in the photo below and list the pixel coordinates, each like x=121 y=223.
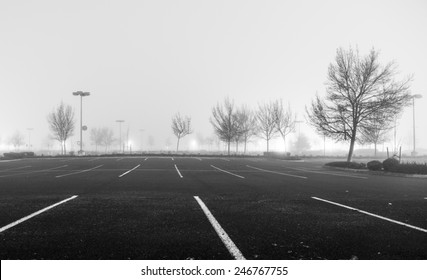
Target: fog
x=144 y=61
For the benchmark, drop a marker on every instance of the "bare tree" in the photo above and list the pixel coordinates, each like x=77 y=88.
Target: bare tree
x=246 y=123
x=17 y=140
x=224 y=122
x=285 y=119
x=96 y=137
x=377 y=132
x=107 y=137
x=266 y=122
x=61 y=123
x=181 y=127
x=357 y=87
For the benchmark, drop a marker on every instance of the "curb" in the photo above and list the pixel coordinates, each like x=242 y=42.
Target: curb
x=379 y=173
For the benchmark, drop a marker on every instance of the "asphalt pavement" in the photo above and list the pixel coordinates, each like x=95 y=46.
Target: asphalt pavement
x=206 y=208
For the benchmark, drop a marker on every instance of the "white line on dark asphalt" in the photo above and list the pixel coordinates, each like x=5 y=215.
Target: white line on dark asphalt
x=78 y=172
x=177 y=170
x=119 y=159
x=225 y=159
x=129 y=171
x=326 y=173
x=371 y=214
x=93 y=159
x=15 y=168
x=35 y=214
x=172 y=158
x=145 y=158
x=198 y=158
x=228 y=172
x=274 y=172
x=229 y=244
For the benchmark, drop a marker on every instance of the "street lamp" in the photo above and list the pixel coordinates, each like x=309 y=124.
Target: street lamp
x=29 y=135
x=415 y=96
x=120 y=133
x=81 y=93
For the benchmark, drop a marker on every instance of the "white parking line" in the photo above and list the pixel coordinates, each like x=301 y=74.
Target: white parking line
x=198 y=158
x=229 y=244
x=172 y=158
x=129 y=171
x=225 y=159
x=94 y=159
x=371 y=214
x=326 y=173
x=119 y=159
x=81 y=171
x=228 y=172
x=279 y=173
x=35 y=214
x=177 y=170
x=145 y=158
x=15 y=168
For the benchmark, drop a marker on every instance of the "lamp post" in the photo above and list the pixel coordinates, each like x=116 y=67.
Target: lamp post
x=415 y=96
x=81 y=93
x=120 y=133
x=29 y=137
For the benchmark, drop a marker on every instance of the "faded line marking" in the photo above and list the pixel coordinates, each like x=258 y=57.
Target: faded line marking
x=94 y=159
x=177 y=170
x=225 y=159
x=172 y=158
x=129 y=171
x=119 y=159
x=228 y=172
x=371 y=214
x=15 y=168
x=198 y=158
x=35 y=171
x=145 y=158
x=326 y=173
x=279 y=173
x=229 y=244
x=35 y=214
x=78 y=172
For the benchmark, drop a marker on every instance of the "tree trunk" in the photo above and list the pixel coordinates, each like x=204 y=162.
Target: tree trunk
x=284 y=141
x=229 y=141
x=237 y=147
x=177 y=144
x=375 y=149
x=65 y=148
x=267 y=146
x=350 y=151
x=244 y=151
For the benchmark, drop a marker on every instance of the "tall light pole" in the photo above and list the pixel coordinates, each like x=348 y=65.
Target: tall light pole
x=81 y=93
x=120 y=133
x=29 y=137
x=415 y=96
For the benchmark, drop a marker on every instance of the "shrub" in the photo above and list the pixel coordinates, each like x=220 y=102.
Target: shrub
x=410 y=168
x=344 y=164
x=390 y=163
x=375 y=165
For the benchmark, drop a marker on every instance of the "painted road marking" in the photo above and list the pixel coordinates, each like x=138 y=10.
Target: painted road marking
x=35 y=214
x=172 y=158
x=78 y=172
x=119 y=159
x=228 y=172
x=274 y=172
x=15 y=168
x=145 y=158
x=177 y=170
x=94 y=159
x=198 y=158
x=35 y=171
x=326 y=173
x=225 y=159
x=129 y=171
x=371 y=214
x=229 y=244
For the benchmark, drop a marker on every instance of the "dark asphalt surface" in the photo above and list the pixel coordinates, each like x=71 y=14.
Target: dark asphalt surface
x=151 y=213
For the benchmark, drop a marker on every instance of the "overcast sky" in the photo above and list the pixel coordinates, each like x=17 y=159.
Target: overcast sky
x=143 y=61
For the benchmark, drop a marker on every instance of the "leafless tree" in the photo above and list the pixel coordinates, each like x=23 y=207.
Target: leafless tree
x=224 y=122
x=246 y=123
x=96 y=137
x=377 y=131
x=17 y=140
x=181 y=127
x=357 y=87
x=285 y=119
x=107 y=138
x=61 y=124
x=266 y=122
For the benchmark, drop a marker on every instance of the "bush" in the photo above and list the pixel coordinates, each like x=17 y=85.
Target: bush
x=375 y=165
x=410 y=168
x=390 y=163
x=344 y=164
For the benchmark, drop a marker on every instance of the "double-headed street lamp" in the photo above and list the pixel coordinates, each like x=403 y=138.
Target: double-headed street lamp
x=120 y=133
x=415 y=96
x=81 y=93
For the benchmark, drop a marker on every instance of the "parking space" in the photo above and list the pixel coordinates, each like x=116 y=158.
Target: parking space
x=182 y=207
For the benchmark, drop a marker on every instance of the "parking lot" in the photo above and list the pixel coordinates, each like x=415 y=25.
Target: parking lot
x=206 y=208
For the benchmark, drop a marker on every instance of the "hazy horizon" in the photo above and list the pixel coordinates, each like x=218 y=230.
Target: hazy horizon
x=144 y=61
